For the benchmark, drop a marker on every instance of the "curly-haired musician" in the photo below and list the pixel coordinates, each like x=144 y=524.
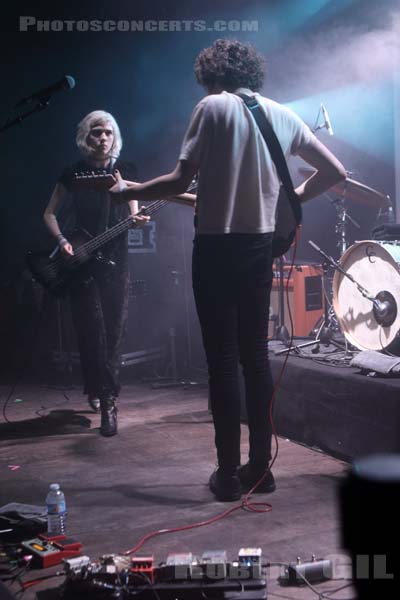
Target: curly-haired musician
x=238 y=188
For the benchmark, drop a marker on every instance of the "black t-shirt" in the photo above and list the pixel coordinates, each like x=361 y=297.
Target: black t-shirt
x=93 y=210
x=92 y=207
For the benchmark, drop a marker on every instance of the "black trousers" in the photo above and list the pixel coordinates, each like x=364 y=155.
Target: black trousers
x=99 y=305
x=232 y=278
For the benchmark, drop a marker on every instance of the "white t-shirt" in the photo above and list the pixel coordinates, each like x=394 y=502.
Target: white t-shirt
x=238 y=185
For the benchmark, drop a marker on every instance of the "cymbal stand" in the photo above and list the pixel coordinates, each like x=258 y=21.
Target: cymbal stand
x=282 y=333
x=342 y=218
x=328 y=326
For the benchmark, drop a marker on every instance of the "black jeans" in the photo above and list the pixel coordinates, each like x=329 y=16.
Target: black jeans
x=232 y=278
x=99 y=306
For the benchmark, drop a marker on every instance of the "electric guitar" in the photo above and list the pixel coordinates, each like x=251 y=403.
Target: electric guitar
x=285 y=226
x=56 y=272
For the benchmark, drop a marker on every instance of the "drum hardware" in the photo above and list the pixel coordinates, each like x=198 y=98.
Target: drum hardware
x=325 y=331
x=386 y=216
x=296 y=348
x=357 y=192
x=369 y=321
x=282 y=333
x=342 y=218
x=384 y=304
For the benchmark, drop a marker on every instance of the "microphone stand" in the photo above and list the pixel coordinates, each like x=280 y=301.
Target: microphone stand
x=42 y=104
x=325 y=333
x=282 y=333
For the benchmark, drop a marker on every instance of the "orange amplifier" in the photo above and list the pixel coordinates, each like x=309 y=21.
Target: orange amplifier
x=306 y=298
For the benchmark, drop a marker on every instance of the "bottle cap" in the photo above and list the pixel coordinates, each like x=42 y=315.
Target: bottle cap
x=54 y=486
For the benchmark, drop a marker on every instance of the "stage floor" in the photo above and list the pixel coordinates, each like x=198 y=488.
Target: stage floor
x=154 y=475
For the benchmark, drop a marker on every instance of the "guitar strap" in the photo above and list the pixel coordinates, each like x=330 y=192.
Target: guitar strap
x=276 y=152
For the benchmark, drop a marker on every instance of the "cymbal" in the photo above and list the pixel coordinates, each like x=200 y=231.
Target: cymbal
x=350 y=189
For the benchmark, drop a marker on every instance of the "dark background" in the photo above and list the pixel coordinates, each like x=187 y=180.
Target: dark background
x=338 y=52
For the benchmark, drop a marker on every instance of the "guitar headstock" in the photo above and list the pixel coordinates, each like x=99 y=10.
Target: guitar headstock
x=93 y=180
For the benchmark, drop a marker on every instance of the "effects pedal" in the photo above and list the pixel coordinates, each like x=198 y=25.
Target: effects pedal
x=48 y=551
x=314 y=571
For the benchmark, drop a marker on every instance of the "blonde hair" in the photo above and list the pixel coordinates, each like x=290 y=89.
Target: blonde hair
x=97 y=117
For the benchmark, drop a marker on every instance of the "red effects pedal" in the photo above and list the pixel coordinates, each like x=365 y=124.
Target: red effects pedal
x=49 y=551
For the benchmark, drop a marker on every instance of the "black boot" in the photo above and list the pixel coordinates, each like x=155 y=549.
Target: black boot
x=109 y=424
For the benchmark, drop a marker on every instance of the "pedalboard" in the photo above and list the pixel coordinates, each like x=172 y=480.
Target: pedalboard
x=183 y=575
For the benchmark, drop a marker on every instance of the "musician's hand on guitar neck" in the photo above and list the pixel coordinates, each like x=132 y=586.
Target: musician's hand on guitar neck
x=119 y=187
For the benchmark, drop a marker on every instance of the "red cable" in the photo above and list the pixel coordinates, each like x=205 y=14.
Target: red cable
x=32 y=582
x=267 y=507
x=152 y=534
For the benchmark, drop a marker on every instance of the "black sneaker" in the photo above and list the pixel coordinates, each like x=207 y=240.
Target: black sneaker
x=226 y=488
x=249 y=475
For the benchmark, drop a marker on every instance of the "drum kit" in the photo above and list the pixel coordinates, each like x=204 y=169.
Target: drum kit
x=366 y=282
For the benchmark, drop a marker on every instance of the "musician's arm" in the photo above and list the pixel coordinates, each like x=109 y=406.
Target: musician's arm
x=329 y=170
x=50 y=218
x=170 y=184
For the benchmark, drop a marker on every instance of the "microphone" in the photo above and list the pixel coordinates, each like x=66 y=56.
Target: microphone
x=382 y=307
x=66 y=83
x=327 y=123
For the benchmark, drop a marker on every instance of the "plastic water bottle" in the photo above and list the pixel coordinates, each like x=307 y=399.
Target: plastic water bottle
x=56 y=510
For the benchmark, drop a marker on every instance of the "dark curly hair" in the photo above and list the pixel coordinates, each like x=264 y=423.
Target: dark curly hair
x=231 y=64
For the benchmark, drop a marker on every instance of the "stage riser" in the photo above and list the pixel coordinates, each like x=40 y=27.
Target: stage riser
x=336 y=410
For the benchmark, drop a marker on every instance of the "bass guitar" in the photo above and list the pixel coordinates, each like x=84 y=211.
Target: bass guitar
x=56 y=272
x=286 y=225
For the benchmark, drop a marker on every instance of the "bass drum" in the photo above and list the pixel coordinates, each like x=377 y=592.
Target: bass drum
x=375 y=266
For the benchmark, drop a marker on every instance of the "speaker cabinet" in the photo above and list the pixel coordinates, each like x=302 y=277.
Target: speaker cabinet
x=306 y=298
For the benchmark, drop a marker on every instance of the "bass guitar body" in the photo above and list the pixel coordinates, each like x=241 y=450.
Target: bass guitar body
x=56 y=272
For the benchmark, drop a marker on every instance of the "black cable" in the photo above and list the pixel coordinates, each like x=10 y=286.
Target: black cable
x=20 y=375
x=66 y=399
x=322 y=595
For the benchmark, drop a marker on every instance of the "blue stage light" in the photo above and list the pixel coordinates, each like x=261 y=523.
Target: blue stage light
x=361 y=115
